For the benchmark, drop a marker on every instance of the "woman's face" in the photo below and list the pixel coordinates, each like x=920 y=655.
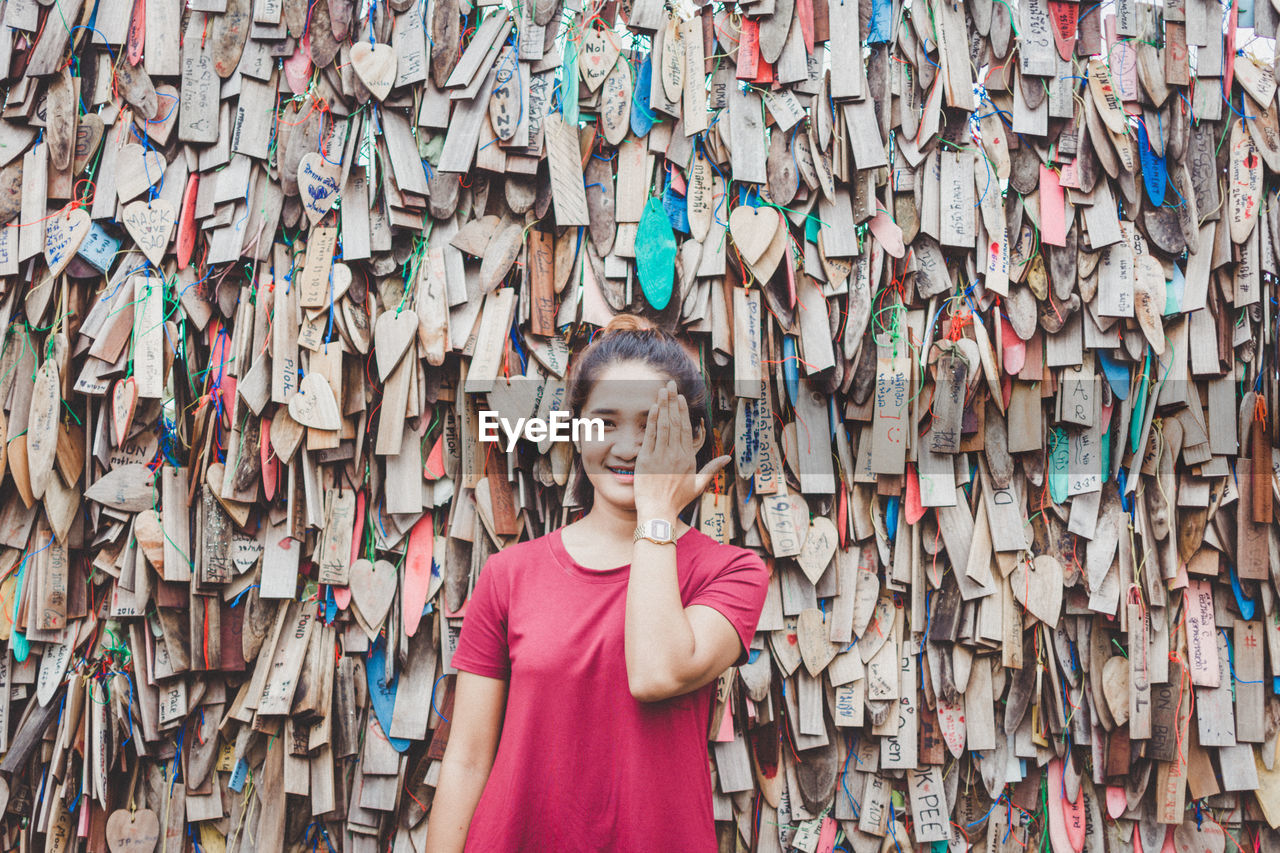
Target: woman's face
x=620 y=398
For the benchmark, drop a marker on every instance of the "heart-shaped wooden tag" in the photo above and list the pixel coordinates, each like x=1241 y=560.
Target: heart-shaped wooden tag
x=130 y=488
x=516 y=397
x=753 y=230
x=63 y=233
x=297 y=68
x=819 y=547
x=1037 y=585
x=393 y=332
x=813 y=636
x=596 y=56
x=137 y=169
x=1115 y=688
x=149 y=533
x=499 y=255
x=314 y=405
x=375 y=65
x=373 y=585
x=89 y=129
x=124 y=400
x=318 y=184
x=286 y=434
x=150 y=223
x=245 y=552
x=339 y=280
x=133 y=832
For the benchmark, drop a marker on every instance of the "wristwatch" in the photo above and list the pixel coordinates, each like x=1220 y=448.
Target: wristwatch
x=656 y=530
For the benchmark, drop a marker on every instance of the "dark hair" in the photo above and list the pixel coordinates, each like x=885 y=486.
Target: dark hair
x=629 y=337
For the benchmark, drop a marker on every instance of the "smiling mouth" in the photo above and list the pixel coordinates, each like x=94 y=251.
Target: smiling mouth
x=623 y=472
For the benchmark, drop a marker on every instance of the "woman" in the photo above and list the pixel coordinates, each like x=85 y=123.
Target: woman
x=598 y=677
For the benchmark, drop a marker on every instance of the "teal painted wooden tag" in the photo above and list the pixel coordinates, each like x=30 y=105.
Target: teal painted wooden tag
x=656 y=254
x=1058 y=460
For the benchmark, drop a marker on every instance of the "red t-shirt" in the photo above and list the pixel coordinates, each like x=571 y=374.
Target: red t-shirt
x=582 y=765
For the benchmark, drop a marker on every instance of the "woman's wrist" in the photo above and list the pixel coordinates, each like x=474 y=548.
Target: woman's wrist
x=646 y=511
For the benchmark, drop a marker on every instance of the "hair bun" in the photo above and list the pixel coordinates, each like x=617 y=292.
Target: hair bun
x=628 y=323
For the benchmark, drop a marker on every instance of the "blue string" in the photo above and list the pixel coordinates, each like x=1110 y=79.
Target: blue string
x=433 y=699
x=844 y=781
x=1231 y=662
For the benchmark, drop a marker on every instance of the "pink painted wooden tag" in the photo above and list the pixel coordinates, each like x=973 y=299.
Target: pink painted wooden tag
x=1059 y=840
x=1013 y=350
x=187 y=222
x=1116 y=802
x=417 y=572
x=912 y=508
x=270 y=461
x=434 y=467
x=888 y=233
x=297 y=68
x=1070 y=175
x=724 y=734
x=137 y=33
x=951 y=723
x=1073 y=814
x=124 y=400
x=1229 y=53
x=804 y=14
x=1064 y=14
x=1053 y=221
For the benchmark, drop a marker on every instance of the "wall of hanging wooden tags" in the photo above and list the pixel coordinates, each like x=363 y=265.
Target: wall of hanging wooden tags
x=985 y=296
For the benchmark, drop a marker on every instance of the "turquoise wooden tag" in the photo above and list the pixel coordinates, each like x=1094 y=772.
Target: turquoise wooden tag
x=656 y=254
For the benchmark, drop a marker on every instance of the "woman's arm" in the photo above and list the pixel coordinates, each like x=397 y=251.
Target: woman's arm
x=670 y=649
x=478 y=708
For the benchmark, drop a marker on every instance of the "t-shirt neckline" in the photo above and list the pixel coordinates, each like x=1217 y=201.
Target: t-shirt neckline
x=615 y=575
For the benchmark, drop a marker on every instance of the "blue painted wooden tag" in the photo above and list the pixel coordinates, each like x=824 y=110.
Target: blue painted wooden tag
x=1154 y=174
x=880 y=27
x=656 y=254
x=1173 y=291
x=677 y=208
x=641 y=115
x=569 y=84
x=790 y=372
x=1117 y=374
x=383 y=694
x=99 y=248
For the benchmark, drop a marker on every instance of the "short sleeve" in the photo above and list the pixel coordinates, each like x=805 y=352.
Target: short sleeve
x=738 y=591
x=482 y=643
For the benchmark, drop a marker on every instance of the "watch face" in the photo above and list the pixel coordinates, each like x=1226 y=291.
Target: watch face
x=660 y=528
